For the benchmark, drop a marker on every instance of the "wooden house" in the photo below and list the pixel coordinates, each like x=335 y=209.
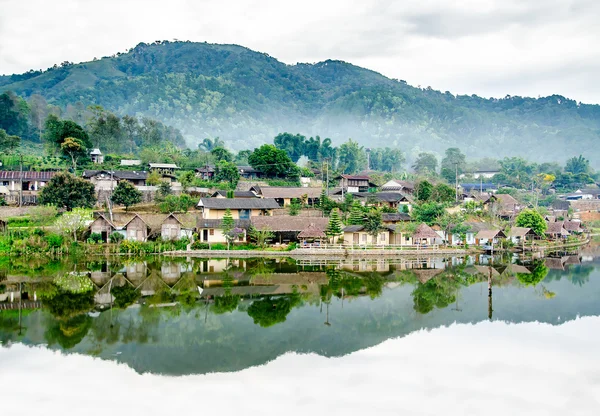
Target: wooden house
x=355 y=183
x=556 y=230
x=285 y=195
x=109 y=179
x=211 y=230
x=241 y=208
x=178 y=226
x=286 y=228
x=521 y=235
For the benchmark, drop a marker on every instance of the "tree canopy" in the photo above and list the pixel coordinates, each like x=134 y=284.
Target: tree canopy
x=67 y=191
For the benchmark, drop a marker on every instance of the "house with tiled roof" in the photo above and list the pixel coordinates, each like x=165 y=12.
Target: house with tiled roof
x=556 y=230
x=286 y=228
x=241 y=208
x=355 y=183
x=108 y=179
x=284 y=195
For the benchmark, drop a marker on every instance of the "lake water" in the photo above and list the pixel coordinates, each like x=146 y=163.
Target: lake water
x=409 y=336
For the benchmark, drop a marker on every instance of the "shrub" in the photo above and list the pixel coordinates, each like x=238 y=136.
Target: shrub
x=55 y=240
x=95 y=238
x=116 y=237
x=199 y=245
x=124 y=295
x=218 y=246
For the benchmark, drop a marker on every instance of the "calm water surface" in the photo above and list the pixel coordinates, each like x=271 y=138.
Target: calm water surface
x=416 y=336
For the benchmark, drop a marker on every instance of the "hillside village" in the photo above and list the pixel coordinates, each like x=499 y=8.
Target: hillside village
x=353 y=211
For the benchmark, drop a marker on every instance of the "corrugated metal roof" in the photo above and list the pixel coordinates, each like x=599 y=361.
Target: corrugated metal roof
x=238 y=203
x=27 y=175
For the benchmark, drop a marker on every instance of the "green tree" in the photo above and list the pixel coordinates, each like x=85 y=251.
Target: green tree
x=449 y=221
x=453 y=160
x=295 y=207
x=270 y=311
x=423 y=190
x=530 y=218
x=577 y=165
x=227 y=172
x=186 y=179
x=292 y=144
x=357 y=214
x=260 y=236
x=73 y=222
x=210 y=144
x=67 y=191
x=220 y=153
x=334 y=227
x=126 y=194
x=351 y=157
x=227 y=225
x=164 y=190
x=8 y=143
x=443 y=193
x=273 y=162
x=373 y=223
x=56 y=131
x=427 y=212
x=426 y=163
x=73 y=148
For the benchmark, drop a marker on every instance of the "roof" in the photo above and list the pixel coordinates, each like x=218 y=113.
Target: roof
x=490 y=234
x=206 y=169
x=236 y=194
x=210 y=223
x=475 y=227
x=163 y=166
x=554 y=263
x=248 y=169
x=484 y=185
x=398 y=185
x=573 y=226
x=95 y=152
x=355 y=177
x=238 y=203
x=117 y=174
x=424 y=231
x=288 y=192
x=187 y=220
x=353 y=228
x=520 y=232
x=312 y=231
x=130 y=162
x=27 y=175
x=395 y=217
x=556 y=228
x=281 y=223
x=382 y=196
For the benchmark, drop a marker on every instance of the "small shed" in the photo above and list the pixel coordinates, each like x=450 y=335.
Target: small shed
x=520 y=235
x=97 y=156
x=312 y=234
x=425 y=235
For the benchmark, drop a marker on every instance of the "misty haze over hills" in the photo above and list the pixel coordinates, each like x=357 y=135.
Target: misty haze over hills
x=246 y=98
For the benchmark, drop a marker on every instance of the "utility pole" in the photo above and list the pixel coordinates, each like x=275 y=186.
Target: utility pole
x=20 y=180
x=456 y=181
x=327 y=167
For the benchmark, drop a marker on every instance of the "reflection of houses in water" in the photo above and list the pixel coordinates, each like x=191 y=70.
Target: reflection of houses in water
x=136 y=272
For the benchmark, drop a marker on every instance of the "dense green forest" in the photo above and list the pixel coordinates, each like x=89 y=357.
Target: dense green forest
x=247 y=98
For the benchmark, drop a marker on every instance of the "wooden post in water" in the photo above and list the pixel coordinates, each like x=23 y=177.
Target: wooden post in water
x=490 y=310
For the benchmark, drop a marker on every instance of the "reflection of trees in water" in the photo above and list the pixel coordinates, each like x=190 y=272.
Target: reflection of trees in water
x=270 y=310
x=539 y=271
x=68 y=332
x=225 y=304
x=125 y=295
x=580 y=274
x=438 y=292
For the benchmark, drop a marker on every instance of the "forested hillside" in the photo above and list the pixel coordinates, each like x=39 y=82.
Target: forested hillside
x=246 y=98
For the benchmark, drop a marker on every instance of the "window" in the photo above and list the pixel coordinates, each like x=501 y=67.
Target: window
x=364 y=238
x=382 y=237
x=212 y=231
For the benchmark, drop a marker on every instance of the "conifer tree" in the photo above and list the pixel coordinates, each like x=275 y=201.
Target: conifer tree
x=356 y=214
x=227 y=225
x=334 y=228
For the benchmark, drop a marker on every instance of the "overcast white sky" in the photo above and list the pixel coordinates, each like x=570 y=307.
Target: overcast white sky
x=487 y=47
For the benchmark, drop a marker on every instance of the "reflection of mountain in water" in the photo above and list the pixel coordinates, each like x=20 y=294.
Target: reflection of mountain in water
x=251 y=311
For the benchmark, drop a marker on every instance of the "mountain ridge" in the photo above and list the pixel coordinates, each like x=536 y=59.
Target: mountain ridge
x=247 y=97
